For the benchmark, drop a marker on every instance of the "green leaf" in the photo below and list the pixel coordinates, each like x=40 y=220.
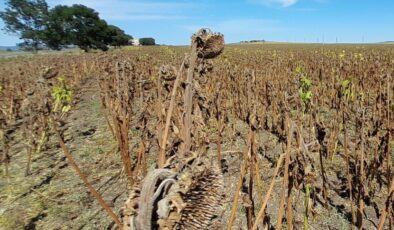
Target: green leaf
x=66 y=108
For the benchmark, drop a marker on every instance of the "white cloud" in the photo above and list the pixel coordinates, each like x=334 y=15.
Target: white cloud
x=126 y=10
x=282 y=3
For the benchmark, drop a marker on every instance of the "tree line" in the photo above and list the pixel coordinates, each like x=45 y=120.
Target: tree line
x=55 y=28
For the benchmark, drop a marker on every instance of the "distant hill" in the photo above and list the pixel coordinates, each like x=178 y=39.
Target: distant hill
x=253 y=41
x=387 y=42
x=8 y=48
x=258 y=42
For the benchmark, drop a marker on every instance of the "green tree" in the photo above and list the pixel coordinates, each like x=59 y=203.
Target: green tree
x=78 y=25
x=58 y=27
x=147 y=41
x=82 y=26
x=117 y=37
x=26 y=18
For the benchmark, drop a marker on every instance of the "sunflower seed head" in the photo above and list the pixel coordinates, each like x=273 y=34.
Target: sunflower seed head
x=209 y=45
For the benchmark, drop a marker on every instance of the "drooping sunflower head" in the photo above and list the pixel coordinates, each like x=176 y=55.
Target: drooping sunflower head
x=209 y=45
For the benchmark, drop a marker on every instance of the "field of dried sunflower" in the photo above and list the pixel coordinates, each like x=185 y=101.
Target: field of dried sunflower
x=264 y=136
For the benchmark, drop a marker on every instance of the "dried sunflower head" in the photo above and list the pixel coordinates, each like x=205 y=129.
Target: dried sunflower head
x=209 y=45
x=167 y=72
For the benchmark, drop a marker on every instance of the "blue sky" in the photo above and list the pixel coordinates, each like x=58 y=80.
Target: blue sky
x=173 y=21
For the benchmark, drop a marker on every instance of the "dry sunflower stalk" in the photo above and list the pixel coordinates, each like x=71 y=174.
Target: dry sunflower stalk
x=186 y=193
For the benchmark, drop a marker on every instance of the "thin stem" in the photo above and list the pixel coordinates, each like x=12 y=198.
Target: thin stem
x=236 y=196
x=306 y=205
x=162 y=155
x=385 y=210
x=285 y=184
x=84 y=178
x=261 y=214
x=189 y=99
